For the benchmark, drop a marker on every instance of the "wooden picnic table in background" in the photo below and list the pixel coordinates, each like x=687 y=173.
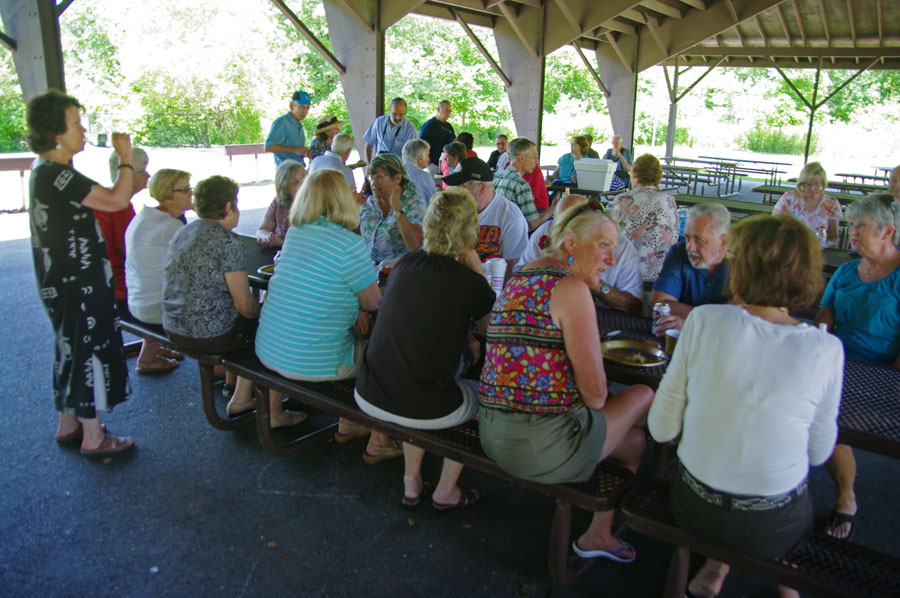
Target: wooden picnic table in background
x=844 y=198
x=22 y=164
x=686 y=176
x=885 y=169
x=863 y=177
x=720 y=172
x=733 y=205
x=746 y=167
x=847 y=186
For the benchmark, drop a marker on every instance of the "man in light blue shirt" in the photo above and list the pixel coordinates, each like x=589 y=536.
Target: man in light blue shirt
x=389 y=131
x=286 y=138
x=336 y=159
x=416 y=154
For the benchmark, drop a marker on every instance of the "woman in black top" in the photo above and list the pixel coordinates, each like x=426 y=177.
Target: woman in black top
x=73 y=272
x=409 y=374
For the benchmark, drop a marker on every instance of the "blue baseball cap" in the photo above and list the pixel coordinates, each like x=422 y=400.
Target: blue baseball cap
x=301 y=97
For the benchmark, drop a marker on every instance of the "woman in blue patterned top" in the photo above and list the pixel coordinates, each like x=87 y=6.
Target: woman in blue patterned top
x=390 y=221
x=323 y=291
x=861 y=306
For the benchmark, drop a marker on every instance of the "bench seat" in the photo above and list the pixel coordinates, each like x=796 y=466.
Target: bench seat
x=820 y=566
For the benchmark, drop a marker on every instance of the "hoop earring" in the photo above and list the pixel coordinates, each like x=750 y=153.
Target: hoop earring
x=569 y=261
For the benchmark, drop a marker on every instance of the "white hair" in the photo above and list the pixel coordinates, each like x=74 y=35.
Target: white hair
x=341 y=143
x=719 y=213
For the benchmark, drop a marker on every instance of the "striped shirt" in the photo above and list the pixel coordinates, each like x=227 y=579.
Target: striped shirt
x=510 y=184
x=304 y=327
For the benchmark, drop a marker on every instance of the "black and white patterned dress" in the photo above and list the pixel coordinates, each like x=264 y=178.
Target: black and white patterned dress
x=74 y=280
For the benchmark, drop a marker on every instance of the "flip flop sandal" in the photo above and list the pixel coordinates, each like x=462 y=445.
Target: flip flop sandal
x=381 y=453
x=411 y=504
x=75 y=436
x=232 y=409
x=111 y=445
x=836 y=519
x=288 y=419
x=170 y=354
x=467 y=498
x=346 y=433
x=160 y=364
x=612 y=555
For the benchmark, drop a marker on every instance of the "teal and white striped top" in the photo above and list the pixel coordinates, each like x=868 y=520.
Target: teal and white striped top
x=304 y=327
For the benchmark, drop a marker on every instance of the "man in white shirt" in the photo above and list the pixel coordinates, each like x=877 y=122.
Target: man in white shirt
x=336 y=159
x=504 y=230
x=621 y=285
x=389 y=131
x=416 y=155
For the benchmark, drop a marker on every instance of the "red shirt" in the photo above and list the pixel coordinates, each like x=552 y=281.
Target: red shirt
x=538 y=188
x=113 y=225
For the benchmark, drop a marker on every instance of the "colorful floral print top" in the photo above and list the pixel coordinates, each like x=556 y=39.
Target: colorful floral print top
x=792 y=203
x=526 y=368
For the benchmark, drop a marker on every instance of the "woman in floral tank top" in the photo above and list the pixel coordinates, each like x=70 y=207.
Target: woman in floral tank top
x=809 y=204
x=545 y=413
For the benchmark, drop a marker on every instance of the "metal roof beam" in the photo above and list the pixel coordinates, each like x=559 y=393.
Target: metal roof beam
x=802 y=52
x=487 y=55
x=8 y=41
x=593 y=71
x=615 y=46
x=799 y=21
x=662 y=8
x=825 y=21
x=62 y=6
x=852 y=21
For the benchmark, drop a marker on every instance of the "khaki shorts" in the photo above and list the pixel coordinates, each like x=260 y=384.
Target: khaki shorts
x=548 y=449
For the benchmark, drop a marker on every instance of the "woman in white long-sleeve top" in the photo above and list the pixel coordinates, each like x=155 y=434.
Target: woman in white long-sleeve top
x=754 y=396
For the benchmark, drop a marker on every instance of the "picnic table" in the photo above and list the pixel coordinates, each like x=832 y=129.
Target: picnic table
x=767 y=168
x=256 y=256
x=721 y=172
x=577 y=191
x=863 y=177
x=885 y=169
x=870 y=410
x=844 y=198
x=733 y=205
x=20 y=163
x=687 y=176
x=850 y=186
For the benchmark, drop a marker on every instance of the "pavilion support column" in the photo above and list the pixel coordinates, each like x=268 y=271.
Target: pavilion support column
x=616 y=66
x=32 y=24
x=673 y=109
x=525 y=68
x=358 y=42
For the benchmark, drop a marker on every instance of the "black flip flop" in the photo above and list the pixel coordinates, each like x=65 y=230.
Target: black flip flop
x=411 y=504
x=467 y=498
x=836 y=519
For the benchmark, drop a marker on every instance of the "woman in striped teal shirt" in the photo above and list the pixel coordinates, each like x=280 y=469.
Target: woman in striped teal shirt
x=320 y=296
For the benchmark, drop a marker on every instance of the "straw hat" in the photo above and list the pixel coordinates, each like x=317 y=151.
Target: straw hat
x=329 y=121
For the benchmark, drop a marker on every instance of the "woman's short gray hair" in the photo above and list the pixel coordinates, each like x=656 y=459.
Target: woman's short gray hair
x=341 y=143
x=719 y=213
x=880 y=209
x=580 y=219
x=283 y=175
x=809 y=171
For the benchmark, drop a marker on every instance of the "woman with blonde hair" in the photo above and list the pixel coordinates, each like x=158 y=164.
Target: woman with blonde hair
x=146 y=244
x=410 y=372
x=809 y=204
x=565 y=169
x=323 y=290
x=546 y=413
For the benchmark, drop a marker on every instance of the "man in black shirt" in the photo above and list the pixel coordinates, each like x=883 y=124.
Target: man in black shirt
x=438 y=133
x=502 y=144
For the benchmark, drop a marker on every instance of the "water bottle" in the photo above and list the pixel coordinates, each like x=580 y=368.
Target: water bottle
x=682 y=220
x=823 y=237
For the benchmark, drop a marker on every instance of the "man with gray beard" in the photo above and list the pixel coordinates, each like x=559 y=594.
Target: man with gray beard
x=694 y=272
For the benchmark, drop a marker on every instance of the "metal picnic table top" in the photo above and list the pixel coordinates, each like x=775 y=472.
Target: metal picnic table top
x=733 y=205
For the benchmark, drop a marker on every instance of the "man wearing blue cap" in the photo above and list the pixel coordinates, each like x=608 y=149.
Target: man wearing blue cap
x=286 y=138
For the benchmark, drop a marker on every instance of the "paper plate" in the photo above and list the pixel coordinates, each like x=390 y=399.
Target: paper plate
x=268 y=270
x=641 y=354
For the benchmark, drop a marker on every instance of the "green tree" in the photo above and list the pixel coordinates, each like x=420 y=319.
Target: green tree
x=12 y=108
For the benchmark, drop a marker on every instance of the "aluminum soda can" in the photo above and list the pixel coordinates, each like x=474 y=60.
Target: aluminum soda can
x=660 y=310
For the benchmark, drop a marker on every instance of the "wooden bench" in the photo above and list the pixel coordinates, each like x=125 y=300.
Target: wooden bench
x=22 y=164
x=600 y=493
x=245 y=149
x=820 y=566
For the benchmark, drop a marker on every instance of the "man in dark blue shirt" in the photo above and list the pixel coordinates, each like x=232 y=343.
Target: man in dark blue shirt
x=438 y=133
x=694 y=272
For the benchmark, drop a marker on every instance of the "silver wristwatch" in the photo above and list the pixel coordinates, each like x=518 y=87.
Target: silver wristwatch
x=604 y=290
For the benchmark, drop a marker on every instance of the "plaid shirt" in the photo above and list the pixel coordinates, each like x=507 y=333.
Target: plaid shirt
x=510 y=184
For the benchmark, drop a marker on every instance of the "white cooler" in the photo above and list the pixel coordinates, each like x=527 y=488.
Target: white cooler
x=595 y=174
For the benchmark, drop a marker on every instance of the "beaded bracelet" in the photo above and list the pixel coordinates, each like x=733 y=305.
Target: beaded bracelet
x=127 y=166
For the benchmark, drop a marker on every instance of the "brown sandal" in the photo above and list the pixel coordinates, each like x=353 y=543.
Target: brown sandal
x=111 y=445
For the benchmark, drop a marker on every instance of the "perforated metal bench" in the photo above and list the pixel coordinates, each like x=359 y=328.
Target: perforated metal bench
x=820 y=566
x=600 y=493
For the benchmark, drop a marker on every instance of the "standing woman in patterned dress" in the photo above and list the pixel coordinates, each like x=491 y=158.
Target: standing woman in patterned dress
x=74 y=275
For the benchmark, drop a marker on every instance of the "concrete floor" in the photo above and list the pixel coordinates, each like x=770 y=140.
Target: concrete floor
x=196 y=511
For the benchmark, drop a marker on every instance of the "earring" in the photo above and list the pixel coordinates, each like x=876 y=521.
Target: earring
x=569 y=262
x=58 y=146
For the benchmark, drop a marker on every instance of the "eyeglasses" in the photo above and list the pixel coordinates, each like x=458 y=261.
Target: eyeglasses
x=187 y=189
